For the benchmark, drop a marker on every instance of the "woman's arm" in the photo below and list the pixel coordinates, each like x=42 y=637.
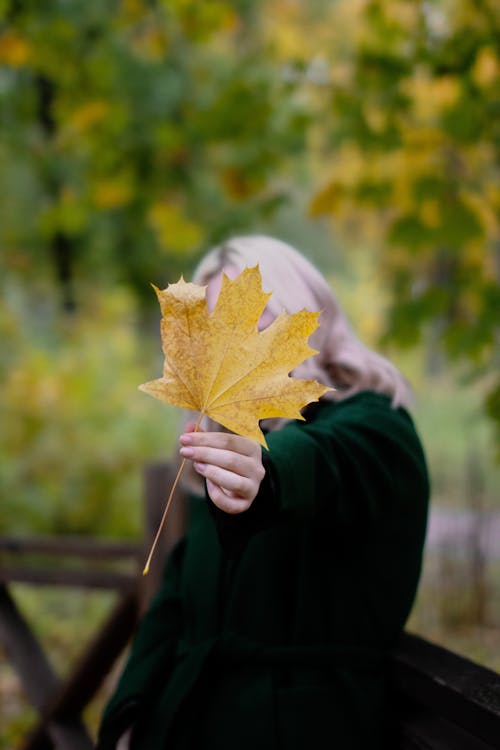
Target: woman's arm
x=358 y=461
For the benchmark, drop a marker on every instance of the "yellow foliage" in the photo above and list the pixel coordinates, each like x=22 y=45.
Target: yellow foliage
x=464 y=15
x=133 y=10
x=239 y=184
x=282 y=23
x=200 y=20
x=376 y=117
x=490 y=263
x=432 y=95
x=430 y=212
x=350 y=165
x=67 y=214
x=471 y=303
x=493 y=196
x=87 y=115
x=486 y=69
x=14 y=50
x=292 y=33
x=175 y=232
x=219 y=364
x=150 y=42
x=114 y=192
x=405 y=13
x=327 y=200
x=39 y=394
x=421 y=145
x=341 y=74
x=484 y=207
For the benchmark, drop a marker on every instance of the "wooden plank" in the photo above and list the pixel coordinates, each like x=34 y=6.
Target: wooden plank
x=84 y=578
x=71 y=546
x=38 y=679
x=25 y=653
x=451 y=686
x=100 y=656
x=92 y=668
x=421 y=729
x=66 y=735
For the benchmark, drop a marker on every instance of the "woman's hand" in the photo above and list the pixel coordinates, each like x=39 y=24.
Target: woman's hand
x=231 y=465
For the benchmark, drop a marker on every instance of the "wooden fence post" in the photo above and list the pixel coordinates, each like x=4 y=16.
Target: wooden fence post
x=37 y=676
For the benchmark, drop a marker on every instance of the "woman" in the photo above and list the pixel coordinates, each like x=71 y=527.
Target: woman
x=299 y=569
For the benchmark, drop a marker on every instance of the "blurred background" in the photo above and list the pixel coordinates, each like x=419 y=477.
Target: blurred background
x=134 y=134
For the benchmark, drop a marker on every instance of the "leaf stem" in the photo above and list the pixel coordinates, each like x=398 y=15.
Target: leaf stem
x=167 y=506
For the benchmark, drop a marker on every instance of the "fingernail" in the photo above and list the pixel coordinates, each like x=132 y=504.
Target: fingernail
x=186 y=439
x=186 y=451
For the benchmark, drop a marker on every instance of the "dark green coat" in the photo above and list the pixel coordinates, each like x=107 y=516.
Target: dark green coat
x=271 y=626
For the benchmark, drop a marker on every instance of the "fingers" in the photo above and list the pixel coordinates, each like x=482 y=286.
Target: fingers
x=230 y=460
x=225 y=501
x=221 y=440
x=233 y=485
x=231 y=465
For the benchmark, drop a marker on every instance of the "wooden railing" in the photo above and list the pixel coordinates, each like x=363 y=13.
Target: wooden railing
x=59 y=704
x=84 y=563
x=442 y=701
x=439 y=700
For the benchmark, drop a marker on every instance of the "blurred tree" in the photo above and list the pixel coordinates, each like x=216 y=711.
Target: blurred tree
x=410 y=94
x=136 y=132
x=133 y=133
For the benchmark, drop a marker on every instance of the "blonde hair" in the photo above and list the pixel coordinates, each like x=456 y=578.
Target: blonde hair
x=343 y=361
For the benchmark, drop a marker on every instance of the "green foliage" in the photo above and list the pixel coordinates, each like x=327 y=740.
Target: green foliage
x=77 y=431
x=134 y=134
x=171 y=125
x=413 y=109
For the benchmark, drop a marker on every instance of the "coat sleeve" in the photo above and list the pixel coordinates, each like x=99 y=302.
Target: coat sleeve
x=235 y=530
x=151 y=655
x=353 y=461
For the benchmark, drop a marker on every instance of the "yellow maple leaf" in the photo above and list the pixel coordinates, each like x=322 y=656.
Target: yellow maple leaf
x=219 y=364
